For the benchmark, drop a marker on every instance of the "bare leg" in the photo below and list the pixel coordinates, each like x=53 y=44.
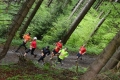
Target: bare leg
x=25 y=54
x=52 y=55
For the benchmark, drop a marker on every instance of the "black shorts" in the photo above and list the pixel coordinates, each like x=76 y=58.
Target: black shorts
x=79 y=55
x=54 y=52
x=59 y=60
x=32 y=51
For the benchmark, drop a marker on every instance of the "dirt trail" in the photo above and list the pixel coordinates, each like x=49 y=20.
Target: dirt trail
x=12 y=57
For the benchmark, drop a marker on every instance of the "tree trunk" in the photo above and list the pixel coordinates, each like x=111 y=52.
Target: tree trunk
x=23 y=30
x=97 y=9
x=113 y=61
x=16 y=24
x=100 y=15
x=96 y=29
x=78 y=20
x=66 y=2
x=19 y=1
x=49 y=3
x=98 y=4
x=98 y=26
x=115 y=8
x=103 y=58
x=9 y=3
x=76 y=7
x=116 y=0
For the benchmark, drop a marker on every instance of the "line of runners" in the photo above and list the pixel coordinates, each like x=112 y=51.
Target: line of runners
x=62 y=53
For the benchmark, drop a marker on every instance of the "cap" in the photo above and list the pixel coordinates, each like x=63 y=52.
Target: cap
x=35 y=38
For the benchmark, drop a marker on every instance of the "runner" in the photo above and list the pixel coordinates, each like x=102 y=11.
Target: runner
x=56 y=49
x=26 y=38
x=32 y=48
x=45 y=51
x=81 y=52
x=63 y=53
x=59 y=44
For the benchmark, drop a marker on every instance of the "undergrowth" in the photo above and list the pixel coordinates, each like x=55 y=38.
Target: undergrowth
x=27 y=70
x=108 y=75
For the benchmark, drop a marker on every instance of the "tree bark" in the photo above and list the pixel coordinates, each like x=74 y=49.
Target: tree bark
x=16 y=24
x=76 y=7
x=113 y=61
x=49 y=3
x=103 y=58
x=116 y=0
x=100 y=15
x=23 y=30
x=98 y=4
x=78 y=20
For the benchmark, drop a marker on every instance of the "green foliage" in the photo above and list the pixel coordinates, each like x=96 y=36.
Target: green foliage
x=44 y=22
x=94 y=49
x=16 y=42
x=109 y=75
x=6 y=68
x=83 y=31
x=114 y=76
x=108 y=29
x=72 y=49
x=48 y=39
x=2 y=40
x=80 y=69
x=47 y=66
x=43 y=77
x=40 y=23
x=14 y=78
x=31 y=77
x=33 y=72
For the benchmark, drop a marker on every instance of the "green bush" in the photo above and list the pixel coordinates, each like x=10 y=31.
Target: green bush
x=80 y=69
x=93 y=50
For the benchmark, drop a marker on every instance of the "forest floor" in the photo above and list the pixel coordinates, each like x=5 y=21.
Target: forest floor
x=13 y=58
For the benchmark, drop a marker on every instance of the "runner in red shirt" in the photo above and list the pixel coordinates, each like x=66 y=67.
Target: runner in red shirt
x=56 y=49
x=33 y=46
x=82 y=51
x=59 y=44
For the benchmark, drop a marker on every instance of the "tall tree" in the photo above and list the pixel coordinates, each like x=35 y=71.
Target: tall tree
x=98 y=26
x=45 y=24
x=76 y=7
x=113 y=61
x=78 y=20
x=16 y=24
x=101 y=13
x=116 y=0
x=66 y=2
x=49 y=2
x=98 y=4
x=103 y=58
x=95 y=30
x=23 y=30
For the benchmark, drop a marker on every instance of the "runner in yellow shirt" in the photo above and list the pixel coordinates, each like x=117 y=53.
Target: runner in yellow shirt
x=63 y=54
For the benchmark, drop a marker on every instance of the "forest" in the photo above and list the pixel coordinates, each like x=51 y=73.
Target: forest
x=93 y=23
